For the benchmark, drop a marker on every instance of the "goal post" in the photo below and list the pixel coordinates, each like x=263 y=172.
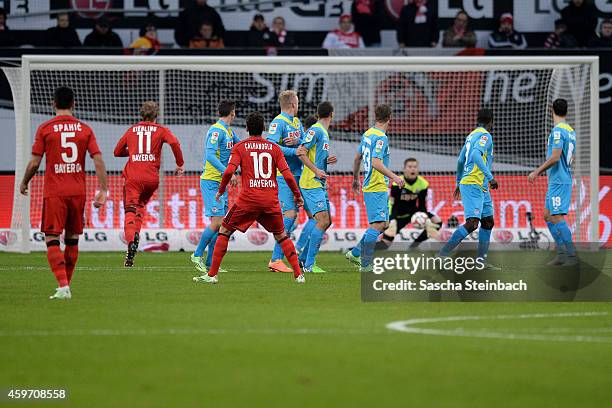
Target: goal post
x=434 y=101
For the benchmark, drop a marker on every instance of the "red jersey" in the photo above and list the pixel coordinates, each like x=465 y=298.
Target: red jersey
x=64 y=141
x=259 y=161
x=143 y=143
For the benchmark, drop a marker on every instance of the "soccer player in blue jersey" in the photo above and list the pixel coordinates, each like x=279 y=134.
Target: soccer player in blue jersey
x=314 y=154
x=373 y=152
x=558 y=167
x=286 y=131
x=474 y=178
x=220 y=140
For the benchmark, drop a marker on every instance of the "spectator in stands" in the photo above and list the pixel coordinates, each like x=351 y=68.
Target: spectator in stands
x=506 y=36
x=581 y=20
x=604 y=39
x=459 y=34
x=102 y=35
x=206 y=37
x=190 y=20
x=147 y=42
x=285 y=39
x=418 y=25
x=260 y=35
x=344 y=36
x=62 y=35
x=367 y=17
x=560 y=38
x=6 y=36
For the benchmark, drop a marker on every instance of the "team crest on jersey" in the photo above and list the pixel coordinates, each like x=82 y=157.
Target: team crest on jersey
x=273 y=127
x=214 y=137
x=310 y=135
x=483 y=140
x=325 y=146
x=379 y=145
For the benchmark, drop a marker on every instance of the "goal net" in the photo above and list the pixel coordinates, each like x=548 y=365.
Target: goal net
x=434 y=103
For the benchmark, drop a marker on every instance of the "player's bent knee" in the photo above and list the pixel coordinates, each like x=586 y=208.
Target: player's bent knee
x=471 y=224
x=487 y=223
x=281 y=237
x=52 y=242
x=71 y=241
x=225 y=231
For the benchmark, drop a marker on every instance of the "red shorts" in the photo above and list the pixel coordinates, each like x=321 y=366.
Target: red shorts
x=241 y=218
x=63 y=213
x=137 y=193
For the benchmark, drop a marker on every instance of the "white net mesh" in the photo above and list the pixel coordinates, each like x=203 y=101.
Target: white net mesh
x=433 y=111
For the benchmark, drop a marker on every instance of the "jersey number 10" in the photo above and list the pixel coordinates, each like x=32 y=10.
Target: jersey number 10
x=261 y=169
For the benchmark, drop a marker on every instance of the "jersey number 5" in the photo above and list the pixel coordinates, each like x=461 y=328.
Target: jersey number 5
x=261 y=169
x=69 y=158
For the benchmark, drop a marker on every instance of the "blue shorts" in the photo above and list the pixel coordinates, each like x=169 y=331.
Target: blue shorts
x=315 y=200
x=212 y=207
x=476 y=203
x=377 y=206
x=558 y=197
x=285 y=195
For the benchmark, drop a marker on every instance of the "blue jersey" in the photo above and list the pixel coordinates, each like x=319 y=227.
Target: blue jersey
x=476 y=159
x=286 y=126
x=374 y=144
x=220 y=140
x=562 y=137
x=317 y=143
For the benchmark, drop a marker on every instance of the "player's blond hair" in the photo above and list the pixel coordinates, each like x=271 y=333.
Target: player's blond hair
x=286 y=97
x=149 y=111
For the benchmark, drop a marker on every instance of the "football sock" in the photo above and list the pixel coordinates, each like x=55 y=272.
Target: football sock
x=455 y=239
x=205 y=238
x=566 y=236
x=316 y=236
x=218 y=254
x=71 y=254
x=139 y=219
x=277 y=252
x=356 y=251
x=422 y=237
x=305 y=234
x=304 y=254
x=211 y=249
x=368 y=244
x=56 y=262
x=555 y=234
x=290 y=253
x=129 y=228
x=484 y=238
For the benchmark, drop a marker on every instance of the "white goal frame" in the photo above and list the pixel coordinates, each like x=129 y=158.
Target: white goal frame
x=280 y=64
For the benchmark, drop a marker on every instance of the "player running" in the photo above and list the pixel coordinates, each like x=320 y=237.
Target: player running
x=405 y=202
x=314 y=153
x=558 y=167
x=220 y=140
x=142 y=143
x=287 y=132
x=259 y=161
x=64 y=140
x=374 y=153
x=474 y=178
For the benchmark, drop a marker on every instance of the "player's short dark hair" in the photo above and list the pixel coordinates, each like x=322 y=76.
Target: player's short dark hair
x=485 y=116
x=560 y=107
x=382 y=113
x=309 y=121
x=226 y=107
x=63 y=97
x=325 y=109
x=255 y=123
x=410 y=159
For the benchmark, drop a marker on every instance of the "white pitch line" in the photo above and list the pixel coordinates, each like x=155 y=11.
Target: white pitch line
x=183 y=331
x=408 y=326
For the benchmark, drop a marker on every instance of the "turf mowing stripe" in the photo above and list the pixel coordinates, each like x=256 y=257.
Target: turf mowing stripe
x=408 y=326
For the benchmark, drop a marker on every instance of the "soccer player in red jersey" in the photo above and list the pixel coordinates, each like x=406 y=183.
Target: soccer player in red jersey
x=64 y=140
x=259 y=161
x=143 y=143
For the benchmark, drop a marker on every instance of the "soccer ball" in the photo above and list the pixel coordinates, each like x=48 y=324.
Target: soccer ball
x=418 y=220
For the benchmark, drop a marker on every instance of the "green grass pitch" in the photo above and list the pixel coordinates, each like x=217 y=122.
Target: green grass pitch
x=150 y=337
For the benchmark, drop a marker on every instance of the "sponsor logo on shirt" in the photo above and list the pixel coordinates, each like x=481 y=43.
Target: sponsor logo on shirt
x=325 y=146
x=229 y=145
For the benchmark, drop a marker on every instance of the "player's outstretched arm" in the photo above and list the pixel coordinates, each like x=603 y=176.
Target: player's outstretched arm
x=302 y=153
x=30 y=170
x=378 y=165
x=275 y=138
x=551 y=161
x=102 y=180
